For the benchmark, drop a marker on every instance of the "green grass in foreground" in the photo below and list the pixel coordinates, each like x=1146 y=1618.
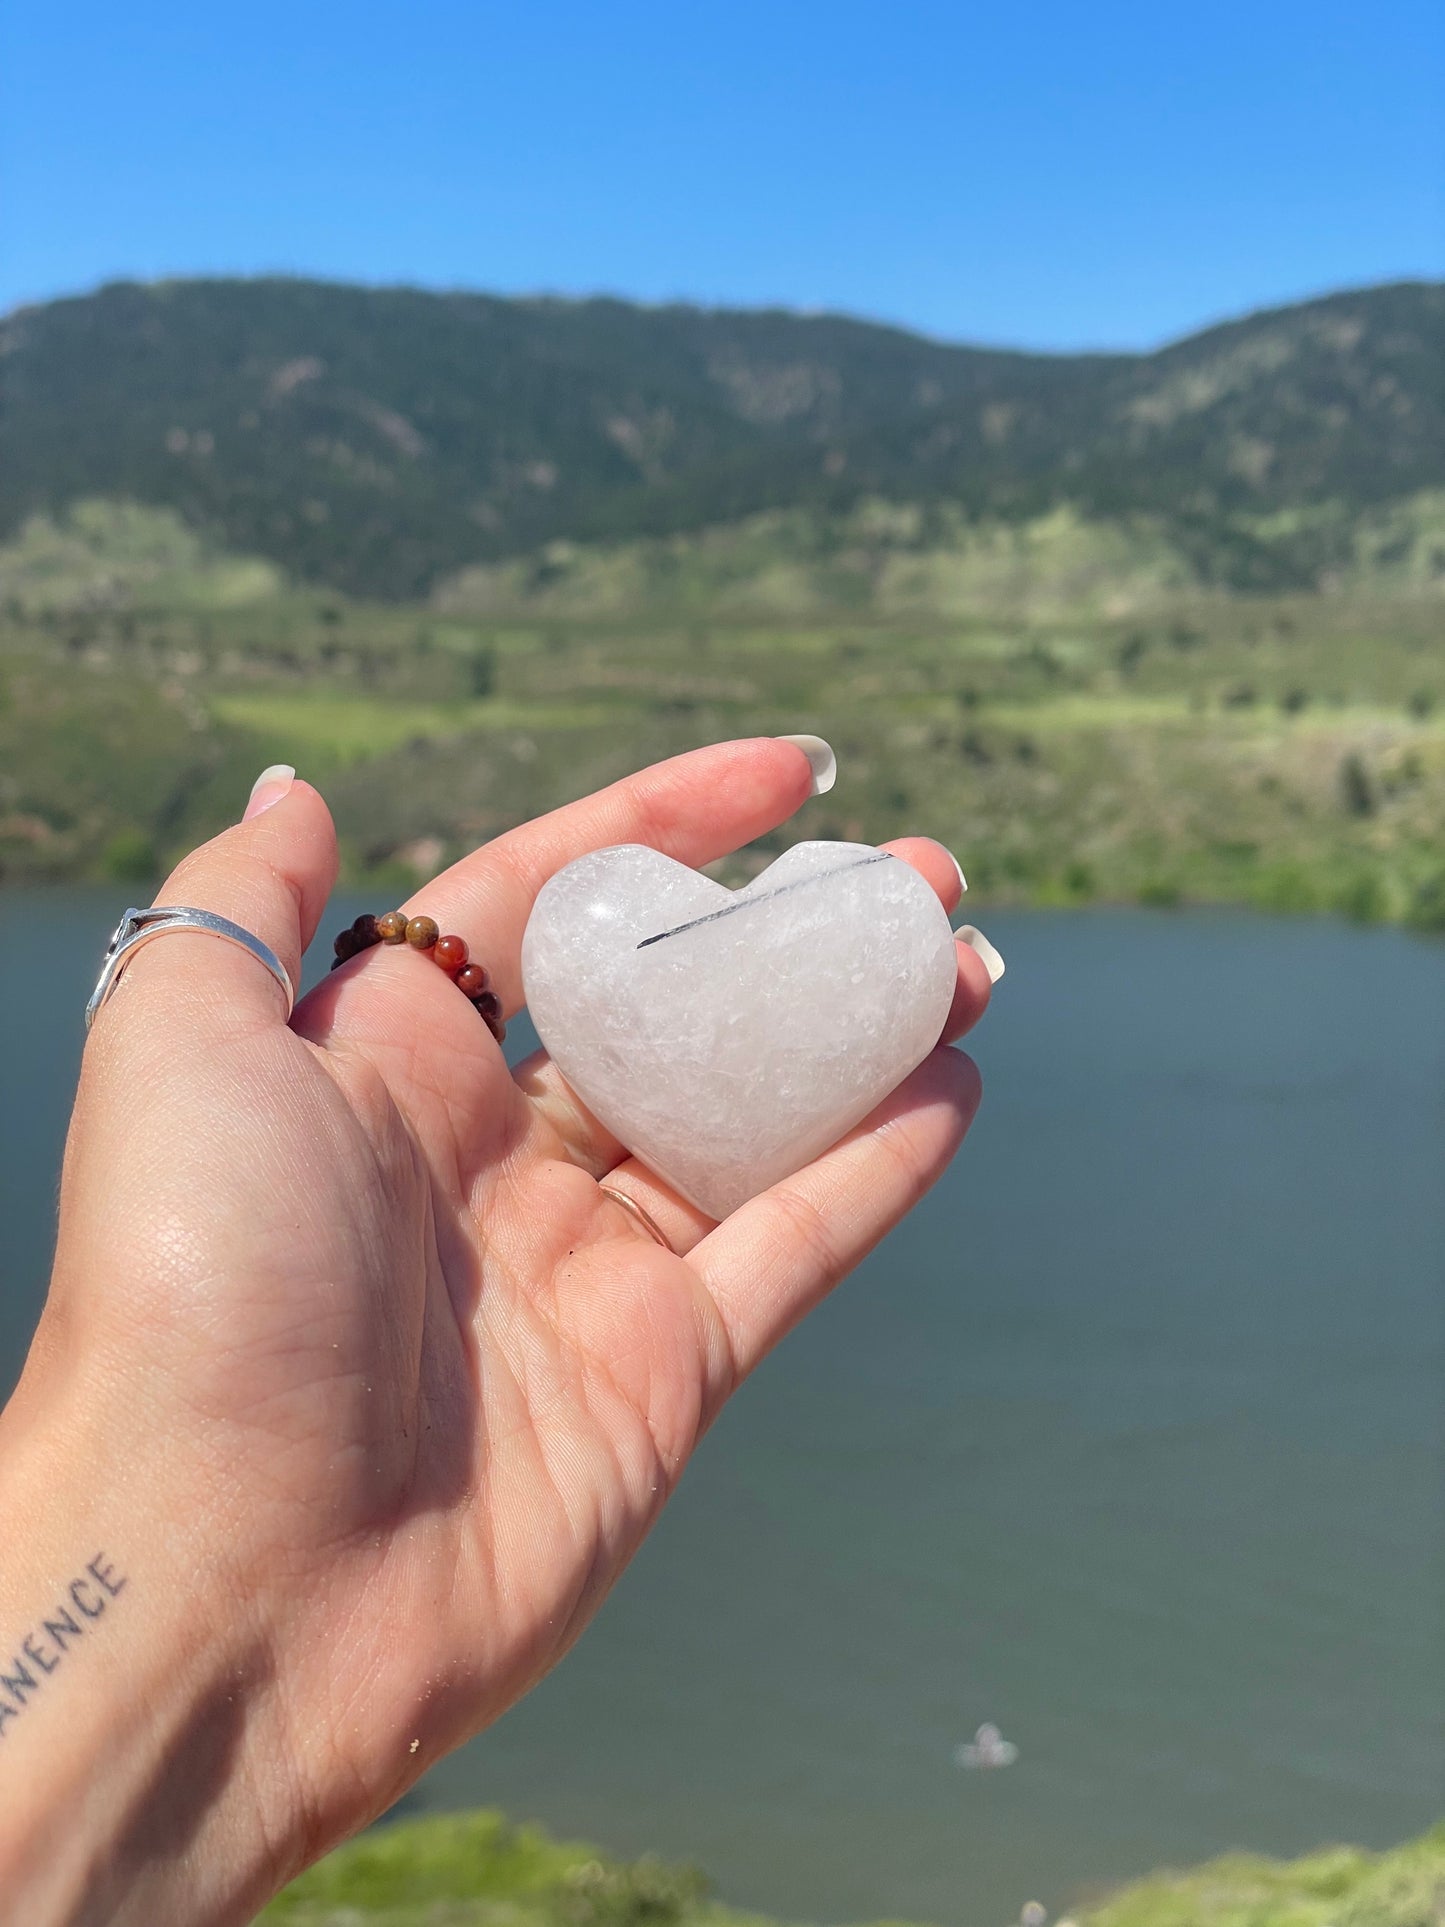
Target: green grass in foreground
x=479 y=1870
x=1336 y=1887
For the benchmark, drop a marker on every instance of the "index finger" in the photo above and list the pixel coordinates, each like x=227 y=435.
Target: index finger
x=694 y=807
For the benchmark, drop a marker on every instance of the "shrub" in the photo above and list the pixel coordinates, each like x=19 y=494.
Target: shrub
x=1357 y=792
x=1132 y=651
x=129 y=857
x=481 y=671
x=1285 y=887
x=1363 y=898
x=1426 y=909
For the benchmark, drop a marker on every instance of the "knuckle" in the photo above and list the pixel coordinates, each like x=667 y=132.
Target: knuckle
x=910 y=1160
x=807 y=1226
x=248 y=879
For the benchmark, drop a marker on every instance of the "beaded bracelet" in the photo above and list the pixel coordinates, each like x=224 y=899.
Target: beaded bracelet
x=448 y=953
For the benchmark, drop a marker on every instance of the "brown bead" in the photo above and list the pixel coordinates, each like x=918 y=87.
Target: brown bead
x=489 y=1004
x=347 y=945
x=422 y=933
x=392 y=927
x=450 y=953
x=364 y=930
x=498 y=1029
x=471 y=980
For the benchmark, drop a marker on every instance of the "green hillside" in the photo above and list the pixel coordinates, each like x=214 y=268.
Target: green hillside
x=1054 y=698
x=477 y=1870
x=379 y=440
x=910 y=561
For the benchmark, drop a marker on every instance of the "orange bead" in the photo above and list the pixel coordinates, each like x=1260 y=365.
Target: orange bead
x=392 y=927
x=450 y=953
x=422 y=933
x=471 y=980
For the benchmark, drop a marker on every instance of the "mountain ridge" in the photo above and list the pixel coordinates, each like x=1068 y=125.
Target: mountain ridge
x=380 y=440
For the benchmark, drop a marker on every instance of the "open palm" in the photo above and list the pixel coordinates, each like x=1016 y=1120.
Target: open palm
x=402 y=1382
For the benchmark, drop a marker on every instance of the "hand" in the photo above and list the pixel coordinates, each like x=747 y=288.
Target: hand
x=354 y=1393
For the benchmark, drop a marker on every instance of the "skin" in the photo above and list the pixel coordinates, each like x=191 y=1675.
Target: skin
x=362 y=1386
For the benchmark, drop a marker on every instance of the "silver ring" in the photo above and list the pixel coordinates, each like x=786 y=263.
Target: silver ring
x=139 y=927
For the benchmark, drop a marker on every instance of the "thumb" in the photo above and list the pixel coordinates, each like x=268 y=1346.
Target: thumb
x=271 y=873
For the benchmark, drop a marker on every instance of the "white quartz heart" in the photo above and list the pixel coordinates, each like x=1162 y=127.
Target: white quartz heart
x=727 y=1037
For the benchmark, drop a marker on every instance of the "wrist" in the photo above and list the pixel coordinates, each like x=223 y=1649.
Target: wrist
x=135 y=1696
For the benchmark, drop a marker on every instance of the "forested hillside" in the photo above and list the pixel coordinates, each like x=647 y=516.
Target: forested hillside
x=378 y=440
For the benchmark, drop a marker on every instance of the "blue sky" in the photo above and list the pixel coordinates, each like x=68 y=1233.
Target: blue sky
x=1095 y=174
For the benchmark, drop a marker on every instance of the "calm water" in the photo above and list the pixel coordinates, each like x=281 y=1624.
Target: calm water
x=1130 y=1441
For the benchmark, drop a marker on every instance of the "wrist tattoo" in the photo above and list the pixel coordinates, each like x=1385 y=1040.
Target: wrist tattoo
x=45 y=1646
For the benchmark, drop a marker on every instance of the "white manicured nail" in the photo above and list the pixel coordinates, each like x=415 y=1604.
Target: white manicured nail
x=269 y=787
x=962 y=879
x=975 y=939
x=821 y=760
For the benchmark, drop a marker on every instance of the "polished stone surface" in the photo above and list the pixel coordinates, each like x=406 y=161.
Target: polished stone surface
x=728 y=1037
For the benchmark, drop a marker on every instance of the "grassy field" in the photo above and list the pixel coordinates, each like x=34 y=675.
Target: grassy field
x=1158 y=744
x=478 y=1870
x=1337 y=1887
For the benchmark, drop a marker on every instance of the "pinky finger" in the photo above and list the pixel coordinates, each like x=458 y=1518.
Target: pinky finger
x=971 y=992
x=779 y=1254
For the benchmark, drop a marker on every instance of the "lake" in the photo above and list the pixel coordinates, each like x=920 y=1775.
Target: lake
x=1129 y=1441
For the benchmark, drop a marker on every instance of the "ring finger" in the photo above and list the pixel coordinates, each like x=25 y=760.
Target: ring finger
x=649 y=1207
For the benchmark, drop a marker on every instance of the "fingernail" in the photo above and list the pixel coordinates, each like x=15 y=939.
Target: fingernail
x=269 y=787
x=977 y=941
x=962 y=879
x=821 y=760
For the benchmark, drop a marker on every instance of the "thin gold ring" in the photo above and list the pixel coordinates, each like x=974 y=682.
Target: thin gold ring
x=635 y=1210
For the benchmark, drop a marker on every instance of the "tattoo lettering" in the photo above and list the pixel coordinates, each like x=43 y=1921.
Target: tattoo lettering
x=41 y=1651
